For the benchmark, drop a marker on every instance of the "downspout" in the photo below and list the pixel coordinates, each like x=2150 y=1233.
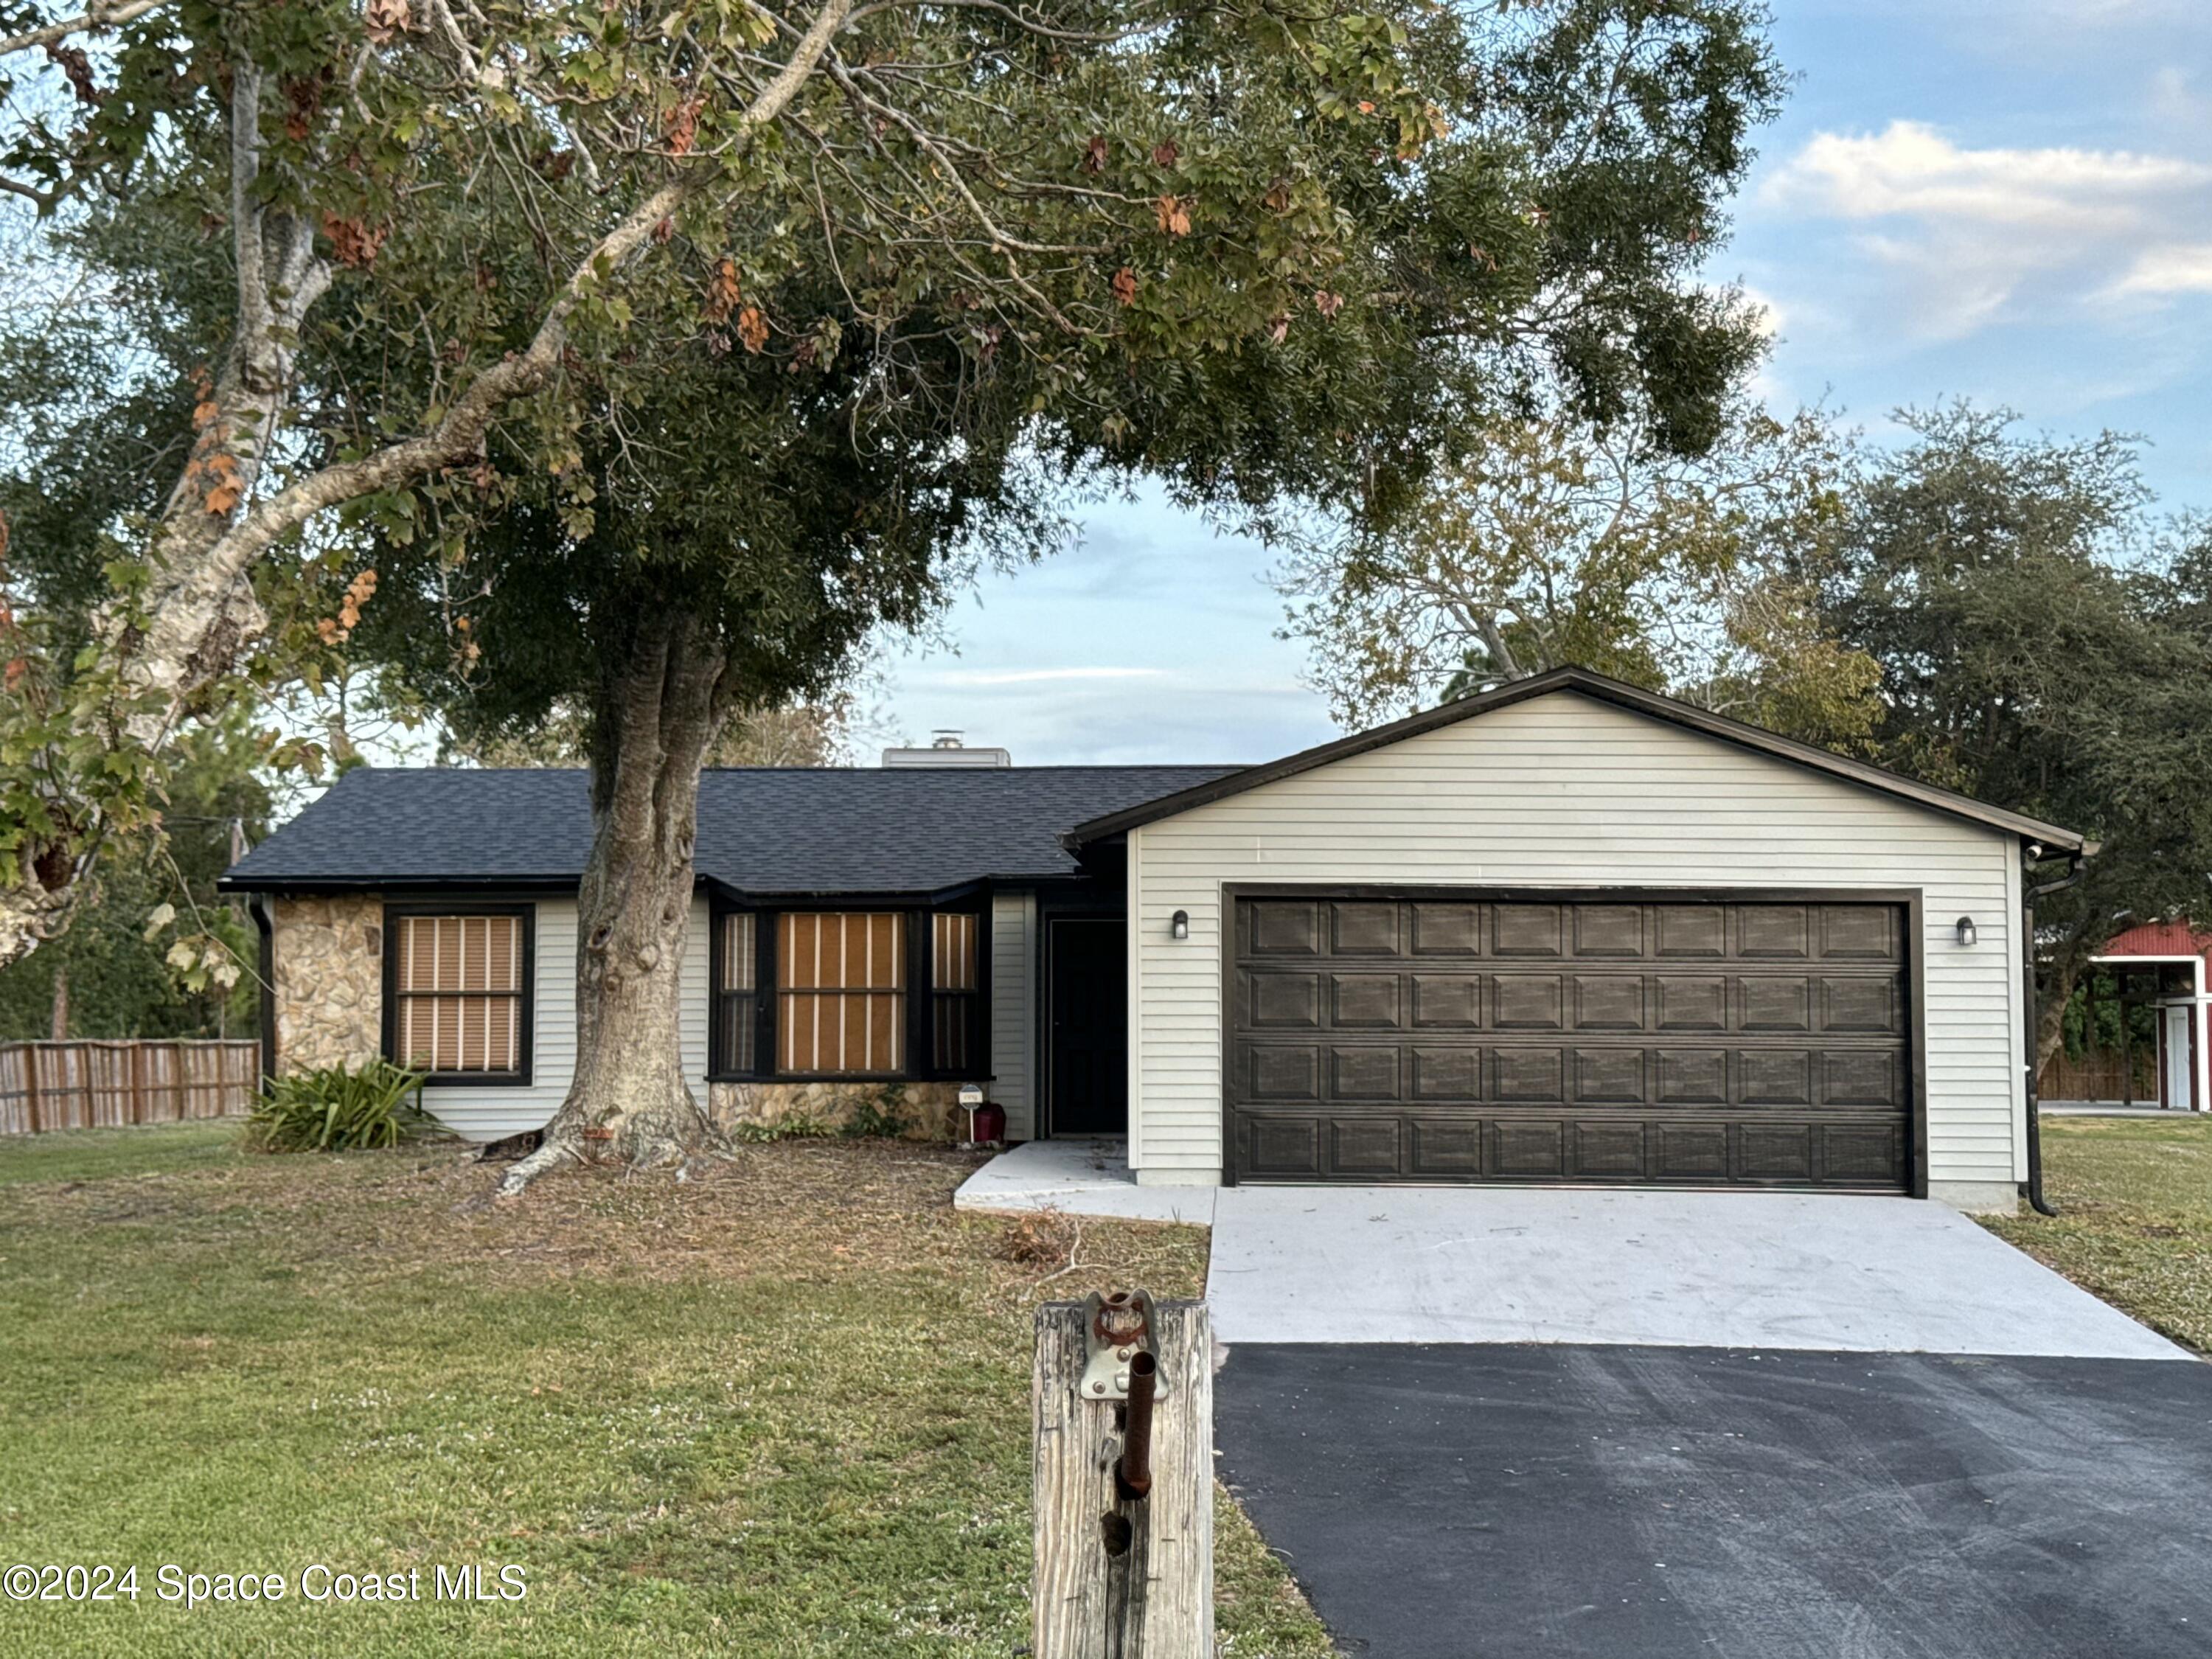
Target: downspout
x=257 y=906
x=2033 y=1187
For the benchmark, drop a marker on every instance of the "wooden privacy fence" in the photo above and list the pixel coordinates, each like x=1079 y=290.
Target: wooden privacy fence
x=93 y=1085
x=2098 y=1074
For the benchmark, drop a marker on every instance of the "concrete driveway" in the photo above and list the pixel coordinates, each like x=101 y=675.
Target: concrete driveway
x=1737 y=1270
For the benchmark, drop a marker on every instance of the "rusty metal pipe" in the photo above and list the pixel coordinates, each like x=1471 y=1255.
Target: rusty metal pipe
x=1136 y=1473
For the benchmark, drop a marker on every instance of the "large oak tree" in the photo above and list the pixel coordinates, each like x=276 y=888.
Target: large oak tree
x=725 y=321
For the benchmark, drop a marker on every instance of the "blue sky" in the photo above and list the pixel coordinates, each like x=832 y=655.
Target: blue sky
x=2009 y=200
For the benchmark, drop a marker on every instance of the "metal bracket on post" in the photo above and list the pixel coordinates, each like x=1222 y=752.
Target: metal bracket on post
x=1117 y=1326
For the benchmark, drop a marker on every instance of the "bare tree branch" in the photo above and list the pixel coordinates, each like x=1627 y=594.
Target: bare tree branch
x=94 y=17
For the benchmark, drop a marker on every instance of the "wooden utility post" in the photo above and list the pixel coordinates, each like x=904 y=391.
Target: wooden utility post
x=1119 y=1575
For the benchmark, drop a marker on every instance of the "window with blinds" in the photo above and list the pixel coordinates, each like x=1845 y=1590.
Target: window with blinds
x=955 y=990
x=840 y=992
x=457 y=1006
x=736 y=994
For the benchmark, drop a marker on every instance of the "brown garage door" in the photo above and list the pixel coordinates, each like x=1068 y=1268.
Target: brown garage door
x=1457 y=1039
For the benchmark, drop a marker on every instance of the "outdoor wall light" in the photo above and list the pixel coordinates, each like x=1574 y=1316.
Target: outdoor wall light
x=1179 y=925
x=1966 y=933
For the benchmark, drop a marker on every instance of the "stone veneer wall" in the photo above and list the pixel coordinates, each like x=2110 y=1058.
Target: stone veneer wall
x=330 y=981
x=931 y=1109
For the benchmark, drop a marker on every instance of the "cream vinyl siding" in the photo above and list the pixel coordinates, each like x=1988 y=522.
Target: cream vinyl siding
x=492 y=1112
x=1564 y=791
x=1014 y=1010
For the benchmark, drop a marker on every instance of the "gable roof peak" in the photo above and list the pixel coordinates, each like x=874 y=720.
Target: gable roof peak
x=1600 y=688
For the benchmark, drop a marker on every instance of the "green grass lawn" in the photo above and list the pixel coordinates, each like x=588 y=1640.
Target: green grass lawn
x=779 y=1410
x=2134 y=1222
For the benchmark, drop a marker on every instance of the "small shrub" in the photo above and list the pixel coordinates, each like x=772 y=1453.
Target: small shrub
x=798 y=1126
x=878 y=1118
x=338 y=1110
x=1043 y=1238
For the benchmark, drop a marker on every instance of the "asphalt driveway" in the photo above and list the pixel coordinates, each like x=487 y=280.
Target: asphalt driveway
x=1622 y=1502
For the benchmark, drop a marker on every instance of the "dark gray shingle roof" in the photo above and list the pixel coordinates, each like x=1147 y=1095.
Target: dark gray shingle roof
x=761 y=830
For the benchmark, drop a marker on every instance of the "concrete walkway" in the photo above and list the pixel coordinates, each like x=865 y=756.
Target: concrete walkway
x=1726 y=1270
x=1079 y=1177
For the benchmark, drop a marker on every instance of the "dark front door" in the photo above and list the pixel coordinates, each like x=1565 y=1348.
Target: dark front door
x=1087 y=1025
x=1693 y=1043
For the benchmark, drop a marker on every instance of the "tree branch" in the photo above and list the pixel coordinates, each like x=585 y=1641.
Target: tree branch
x=94 y=17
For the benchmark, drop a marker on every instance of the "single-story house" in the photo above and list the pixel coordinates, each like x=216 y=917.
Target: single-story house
x=1566 y=931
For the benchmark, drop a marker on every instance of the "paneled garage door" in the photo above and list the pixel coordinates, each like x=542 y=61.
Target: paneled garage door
x=1457 y=1039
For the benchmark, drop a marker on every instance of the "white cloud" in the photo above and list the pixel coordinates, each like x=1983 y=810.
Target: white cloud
x=2184 y=269
x=1958 y=238
x=1040 y=675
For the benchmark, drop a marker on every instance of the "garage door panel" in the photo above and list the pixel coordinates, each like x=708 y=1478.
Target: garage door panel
x=1608 y=930
x=1608 y=1152
x=1367 y=929
x=1282 y=1148
x=1691 y=1002
x=1774 y=1076
x=1775 y=1152
x=1766 y=931
x=1868 y=1154
x=1862 y=1077
x=1368 y=1071
x=1695 y=1152
x=1678 y=1042
x=1610 y=1002
x=1529 y=1150
x=1362 y=1146
x=1445 y=1148
x=1866 y=932
x=1364 y=999
x=1441 y=1074
x=1526 y=1002
x=1774 y=1003
x=1692 y=1077
x=1278 y=1000
x=1860 y=1003
x=1448 y=999
x=1609 y=1077
x=1691 y=931
x=1282 y=1071
x=1283 y=928
x=1532 y=1075
x=1442 y=930
x=1526 y=930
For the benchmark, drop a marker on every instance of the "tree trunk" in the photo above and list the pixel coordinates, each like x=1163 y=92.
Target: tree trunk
x=662 y=705
x=57 y=1023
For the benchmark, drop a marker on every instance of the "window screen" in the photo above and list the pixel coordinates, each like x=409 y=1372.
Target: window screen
x=736 y=997
x=458 y=988
x=955 y=990
x=840 y=992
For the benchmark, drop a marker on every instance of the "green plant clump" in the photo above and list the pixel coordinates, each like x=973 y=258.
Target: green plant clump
x=341 y=1111
x=880 y=1118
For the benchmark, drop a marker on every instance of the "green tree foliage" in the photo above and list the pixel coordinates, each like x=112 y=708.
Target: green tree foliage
x=93 y=419
x=1257 y=252
x=2045 y=647
x=1551 y=541
x=155 y=952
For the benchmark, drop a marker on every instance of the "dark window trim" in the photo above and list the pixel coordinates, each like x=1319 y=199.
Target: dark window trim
x=525 y=1048
x=921 y=992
